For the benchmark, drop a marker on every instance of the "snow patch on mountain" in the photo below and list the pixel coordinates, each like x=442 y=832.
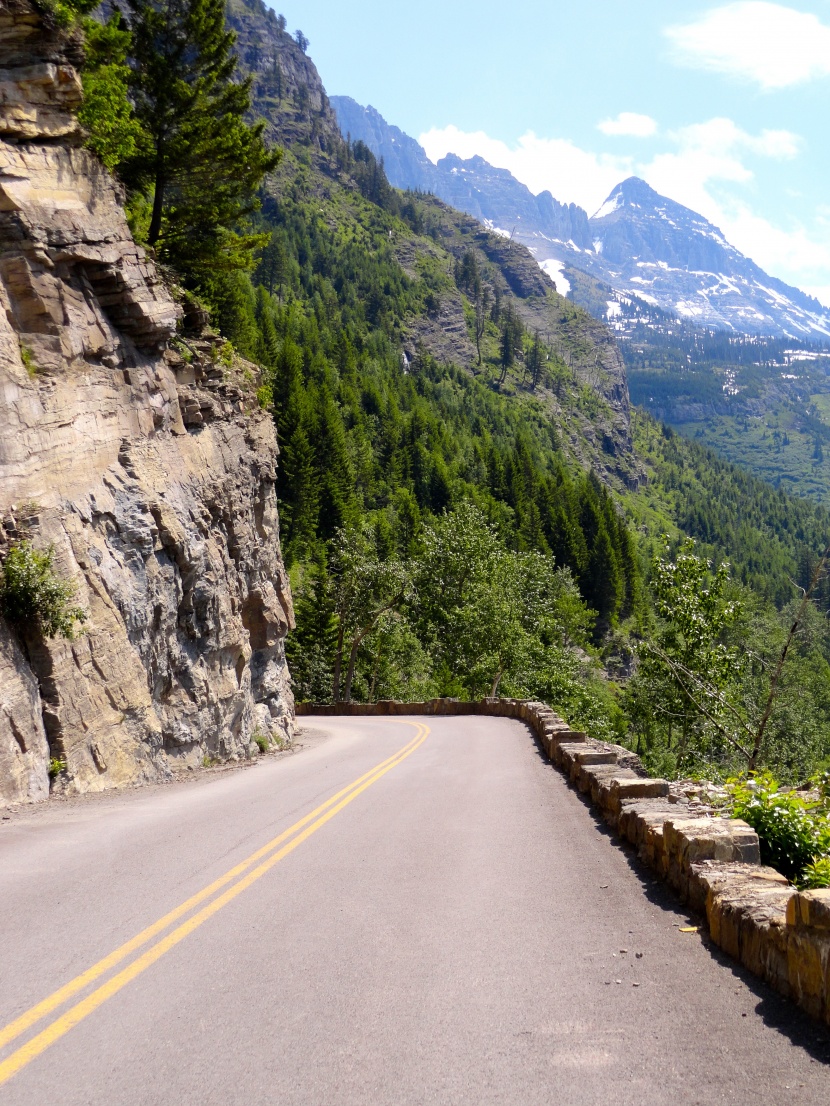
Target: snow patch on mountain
x=609 y=207
x=556 y=271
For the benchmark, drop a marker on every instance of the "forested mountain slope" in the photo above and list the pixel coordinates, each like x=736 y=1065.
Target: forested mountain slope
x=427 y=241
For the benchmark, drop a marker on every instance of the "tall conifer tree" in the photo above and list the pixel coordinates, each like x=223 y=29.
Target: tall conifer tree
x=202 y=162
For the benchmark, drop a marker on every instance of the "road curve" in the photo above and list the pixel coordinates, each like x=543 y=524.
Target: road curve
x=405 y=911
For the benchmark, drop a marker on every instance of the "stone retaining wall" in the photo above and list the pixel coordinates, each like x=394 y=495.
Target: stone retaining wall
x=713 y=862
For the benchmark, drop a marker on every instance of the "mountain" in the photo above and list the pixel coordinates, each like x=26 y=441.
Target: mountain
x=651 y=247
x=319 y=168
x=404 y=160
x=491 y=195
x=643 y=248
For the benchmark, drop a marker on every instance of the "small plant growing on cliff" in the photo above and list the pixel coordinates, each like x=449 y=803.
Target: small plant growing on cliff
x=261 y=741
x=66 y=13
x=56 y=766
x=29 y=363
x=34 y=597
x=225 y=356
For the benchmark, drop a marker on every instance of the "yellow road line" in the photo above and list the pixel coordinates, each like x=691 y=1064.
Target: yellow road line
x=77 y=1013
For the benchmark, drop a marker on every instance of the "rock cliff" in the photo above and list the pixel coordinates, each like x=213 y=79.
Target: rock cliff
x=286 y=88
x=148 y=467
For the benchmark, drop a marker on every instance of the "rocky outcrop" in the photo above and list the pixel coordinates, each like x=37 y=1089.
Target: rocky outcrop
x=39 y=84
x=286 y=88
x=151 y=470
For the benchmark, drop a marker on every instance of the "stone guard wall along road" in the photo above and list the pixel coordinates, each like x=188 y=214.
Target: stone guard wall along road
x=753 y=913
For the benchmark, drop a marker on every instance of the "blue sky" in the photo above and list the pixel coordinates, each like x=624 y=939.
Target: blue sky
x=723 y=107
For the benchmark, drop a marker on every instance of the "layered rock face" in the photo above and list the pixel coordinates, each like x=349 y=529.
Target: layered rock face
x=151 y=470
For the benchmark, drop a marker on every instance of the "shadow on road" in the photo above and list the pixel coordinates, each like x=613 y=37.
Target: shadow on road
x=777 y=1012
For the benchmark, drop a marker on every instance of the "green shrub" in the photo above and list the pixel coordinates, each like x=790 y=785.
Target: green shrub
x=66 y=13
x=261 y=741
x=56 y=766
x=106 y=113
x=793 y=831
x=817 y=874
x=32 y=595
x=28 y=360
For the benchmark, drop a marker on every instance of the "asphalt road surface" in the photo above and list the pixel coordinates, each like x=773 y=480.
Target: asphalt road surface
x=402 y=911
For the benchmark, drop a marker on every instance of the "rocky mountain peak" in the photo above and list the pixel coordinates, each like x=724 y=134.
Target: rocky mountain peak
x=632 y=192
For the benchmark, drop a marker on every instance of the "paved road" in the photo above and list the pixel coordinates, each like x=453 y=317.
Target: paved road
x=450 y=930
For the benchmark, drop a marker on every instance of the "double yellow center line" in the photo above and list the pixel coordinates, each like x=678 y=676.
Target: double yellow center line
x=235 y=881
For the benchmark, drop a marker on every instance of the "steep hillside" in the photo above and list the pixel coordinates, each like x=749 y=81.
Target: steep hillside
x=639 y=244
x=320 y=169
x=147 y=466
x=287 y=90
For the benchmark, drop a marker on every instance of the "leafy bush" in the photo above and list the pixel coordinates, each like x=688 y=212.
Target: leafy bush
x=66 y=13
x=56 y=766
x=113 y=132
x=261 y=741
x=32 y=595
x=794 y=832
x=817 y=874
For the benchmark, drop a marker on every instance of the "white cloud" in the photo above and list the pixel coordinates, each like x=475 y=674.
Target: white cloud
x=629 y=123
x=774 y=45
x=572 y=174
x=710 y=152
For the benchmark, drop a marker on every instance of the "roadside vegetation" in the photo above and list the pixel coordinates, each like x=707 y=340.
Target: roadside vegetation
x=34 y=598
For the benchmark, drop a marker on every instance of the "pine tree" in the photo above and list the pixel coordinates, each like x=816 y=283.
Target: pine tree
x=511 y=340
x=534 y=361
x=310 y=649
x=303 y=497
x=202 y=163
